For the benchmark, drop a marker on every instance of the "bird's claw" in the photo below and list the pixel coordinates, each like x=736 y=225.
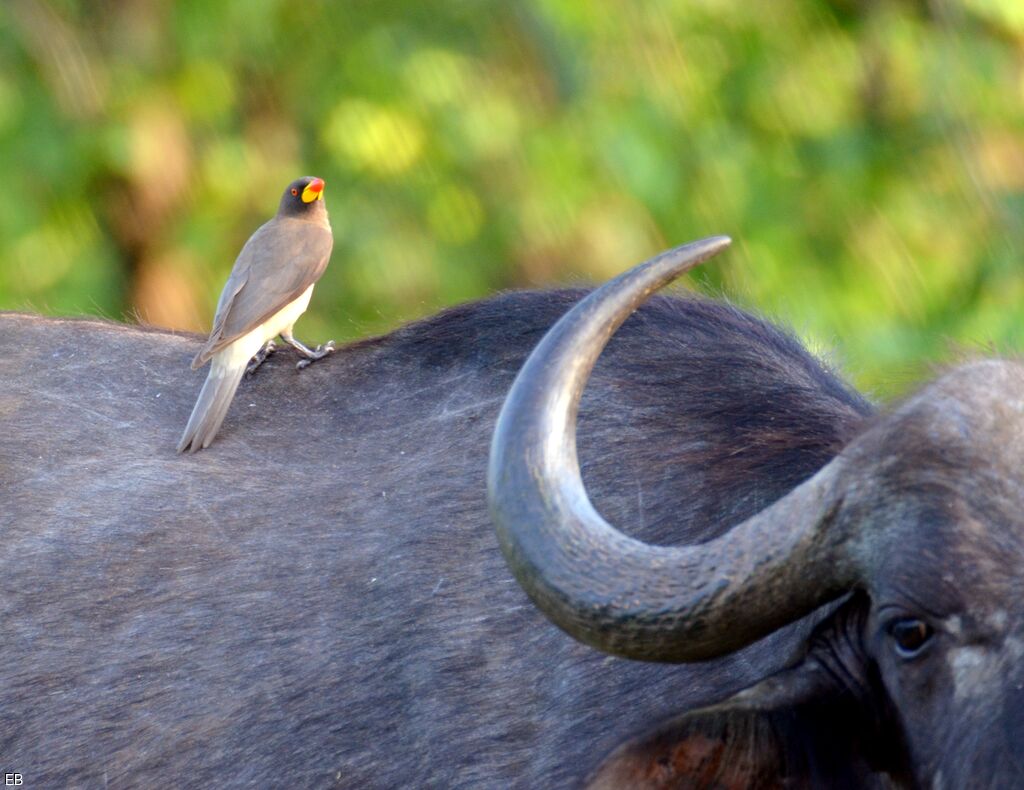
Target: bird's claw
x=319 y=352
x=268 y=348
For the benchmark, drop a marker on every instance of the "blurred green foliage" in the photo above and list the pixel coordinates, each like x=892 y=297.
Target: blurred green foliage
x=867 y=157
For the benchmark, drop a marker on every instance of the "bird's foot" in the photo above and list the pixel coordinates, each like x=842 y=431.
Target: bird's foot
x=311 y=355
x=319 y=352
x=268 y=348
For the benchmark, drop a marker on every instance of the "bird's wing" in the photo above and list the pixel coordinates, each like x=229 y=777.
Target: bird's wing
x=276 y=265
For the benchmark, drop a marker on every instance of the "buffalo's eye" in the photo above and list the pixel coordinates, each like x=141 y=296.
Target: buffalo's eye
x=295 y=191
x=910 y=636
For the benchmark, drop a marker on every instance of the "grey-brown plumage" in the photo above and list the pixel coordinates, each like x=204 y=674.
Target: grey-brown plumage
x=269 y=288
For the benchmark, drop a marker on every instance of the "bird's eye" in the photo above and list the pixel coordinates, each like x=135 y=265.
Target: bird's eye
x=295 y=191
x=910 y=636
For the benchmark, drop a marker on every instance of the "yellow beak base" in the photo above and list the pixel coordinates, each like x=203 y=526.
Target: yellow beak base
x=313 y=191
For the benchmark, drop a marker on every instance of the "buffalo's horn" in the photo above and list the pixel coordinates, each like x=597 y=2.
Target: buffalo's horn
x=611 y=591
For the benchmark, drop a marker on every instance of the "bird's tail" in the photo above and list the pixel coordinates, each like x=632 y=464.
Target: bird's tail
x=212 y=405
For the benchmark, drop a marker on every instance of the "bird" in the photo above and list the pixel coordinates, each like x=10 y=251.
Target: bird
x=268 y=289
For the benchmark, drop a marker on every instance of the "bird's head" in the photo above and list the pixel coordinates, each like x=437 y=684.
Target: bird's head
x=303 y=197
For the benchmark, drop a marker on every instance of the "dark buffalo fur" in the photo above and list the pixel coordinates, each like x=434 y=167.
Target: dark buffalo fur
x=318 y=599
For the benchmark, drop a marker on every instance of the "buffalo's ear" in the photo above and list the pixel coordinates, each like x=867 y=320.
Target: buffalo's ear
x=822 y=723
x=724 y=750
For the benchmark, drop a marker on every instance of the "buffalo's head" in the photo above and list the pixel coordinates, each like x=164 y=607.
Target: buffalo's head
x=912 y=538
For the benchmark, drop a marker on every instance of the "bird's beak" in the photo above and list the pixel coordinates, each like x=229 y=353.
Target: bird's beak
x=314 y=191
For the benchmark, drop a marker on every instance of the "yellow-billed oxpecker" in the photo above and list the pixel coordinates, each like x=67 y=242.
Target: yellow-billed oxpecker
x=269 y=288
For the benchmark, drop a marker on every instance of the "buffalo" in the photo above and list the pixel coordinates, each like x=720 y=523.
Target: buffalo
x=915 y=527
x=818 y=595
